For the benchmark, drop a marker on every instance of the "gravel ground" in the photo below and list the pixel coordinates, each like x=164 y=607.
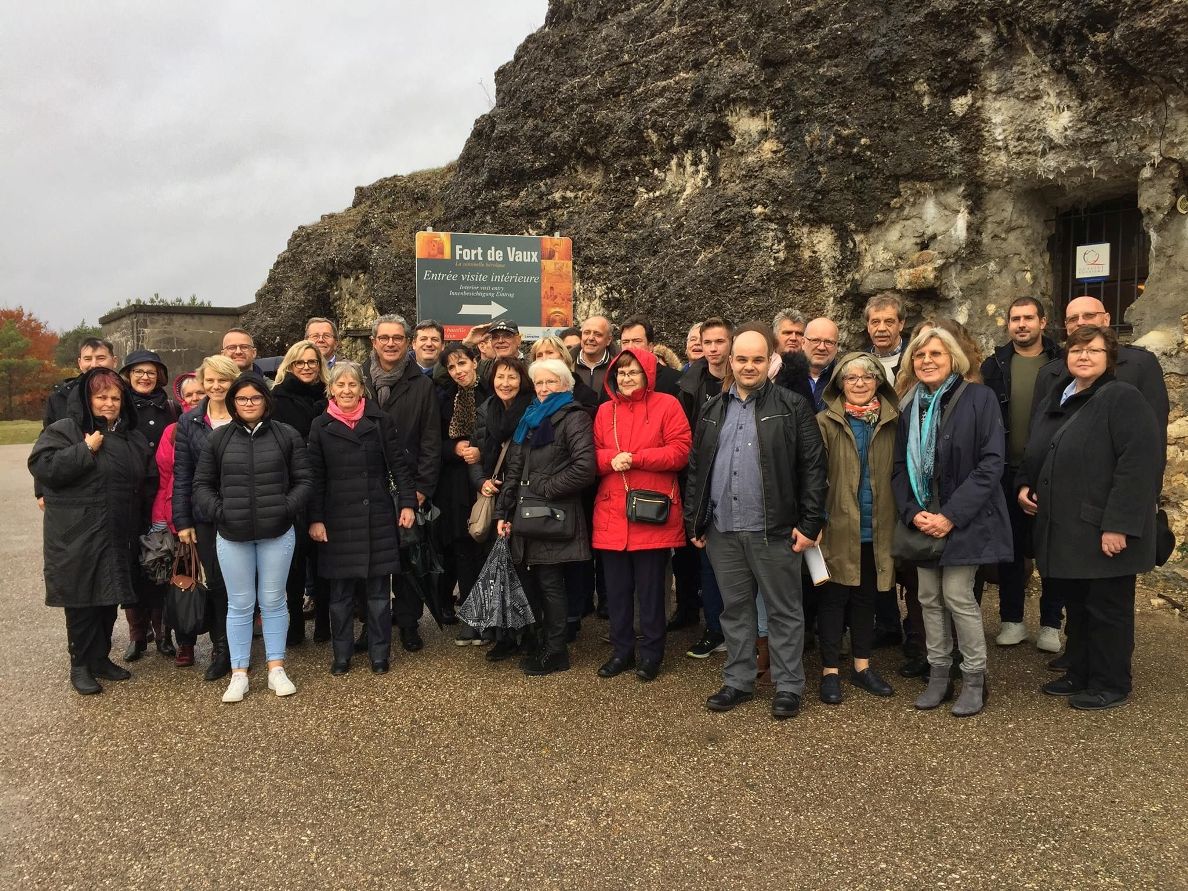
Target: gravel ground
x=450 y=772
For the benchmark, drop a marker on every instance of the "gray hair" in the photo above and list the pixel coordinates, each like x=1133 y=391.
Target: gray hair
x=342 y=368
x=883 y=300
x=553 y=366
x=868 y=363
x=389 y=319
x=314 y=320
x=788 y=315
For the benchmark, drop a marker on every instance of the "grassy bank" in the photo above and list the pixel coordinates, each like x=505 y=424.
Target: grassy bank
x=15 y=432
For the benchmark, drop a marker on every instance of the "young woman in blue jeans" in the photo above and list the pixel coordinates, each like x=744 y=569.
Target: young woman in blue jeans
x=254 y=478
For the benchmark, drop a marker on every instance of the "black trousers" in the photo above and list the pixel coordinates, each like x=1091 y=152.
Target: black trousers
x=579 y=589
x=88 y=632
x=544 y=585
x=686 y=572
x=463 y=561
x=377 y=616
x=636 y=576
x=216 y=604
x=839 y=602
x=1100 y=629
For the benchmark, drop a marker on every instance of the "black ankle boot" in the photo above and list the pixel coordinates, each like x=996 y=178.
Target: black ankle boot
x=83 y=681
x=220 y=661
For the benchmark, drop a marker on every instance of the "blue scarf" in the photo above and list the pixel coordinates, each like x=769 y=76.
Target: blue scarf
x=922 y=433
x=538 y=411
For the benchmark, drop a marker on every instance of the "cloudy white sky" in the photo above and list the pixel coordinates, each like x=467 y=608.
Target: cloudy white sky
x=172 y=148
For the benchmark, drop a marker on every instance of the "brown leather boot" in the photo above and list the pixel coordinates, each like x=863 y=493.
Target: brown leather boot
x=763 y=659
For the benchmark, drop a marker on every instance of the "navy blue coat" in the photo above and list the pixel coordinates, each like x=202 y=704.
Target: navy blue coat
x=189 y=441
x=971 y=457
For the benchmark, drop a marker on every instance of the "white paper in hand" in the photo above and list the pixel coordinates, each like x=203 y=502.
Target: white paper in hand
x=815 y=561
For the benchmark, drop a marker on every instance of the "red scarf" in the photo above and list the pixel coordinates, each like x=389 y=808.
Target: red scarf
x=348 y=418
x=868 y=412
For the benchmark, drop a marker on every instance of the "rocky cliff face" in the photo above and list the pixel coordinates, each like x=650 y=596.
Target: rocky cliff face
x=736 y=157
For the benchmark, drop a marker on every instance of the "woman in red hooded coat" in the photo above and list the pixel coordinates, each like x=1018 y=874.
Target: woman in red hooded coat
x=641 y=441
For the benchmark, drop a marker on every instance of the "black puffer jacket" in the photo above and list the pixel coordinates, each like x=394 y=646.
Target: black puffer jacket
x=253 y=482
x=351 y=497
x=792 y=464
x=92 y=504
x=560 y=471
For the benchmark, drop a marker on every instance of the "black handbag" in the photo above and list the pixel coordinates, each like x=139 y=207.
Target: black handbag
x=541 y=518
x=186 y=598
x=910 y=545
x=643 y=505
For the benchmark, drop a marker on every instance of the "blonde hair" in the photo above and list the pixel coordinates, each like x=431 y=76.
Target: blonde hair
x=928 y=332
x=294 y=354
x=556 y=343
x=220 y=366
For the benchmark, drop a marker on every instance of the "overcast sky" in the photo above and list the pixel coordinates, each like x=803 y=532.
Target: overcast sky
x=174 y=147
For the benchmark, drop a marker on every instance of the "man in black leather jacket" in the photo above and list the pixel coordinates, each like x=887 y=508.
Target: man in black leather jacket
x=755 y=499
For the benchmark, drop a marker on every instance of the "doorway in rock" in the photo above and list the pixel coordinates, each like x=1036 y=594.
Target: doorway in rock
x=1118 y=223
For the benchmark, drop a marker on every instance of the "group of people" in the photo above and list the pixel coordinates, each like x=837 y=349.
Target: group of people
x=617 y=472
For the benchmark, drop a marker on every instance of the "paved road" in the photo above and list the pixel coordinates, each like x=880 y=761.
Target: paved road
x=449 y=773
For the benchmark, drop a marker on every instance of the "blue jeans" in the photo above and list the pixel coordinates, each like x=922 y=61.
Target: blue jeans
x=711 y=595
x=246 y=564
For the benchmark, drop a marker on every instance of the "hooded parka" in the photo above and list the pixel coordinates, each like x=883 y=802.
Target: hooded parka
x=652 y=427
x=92 y=502
x=841 y=542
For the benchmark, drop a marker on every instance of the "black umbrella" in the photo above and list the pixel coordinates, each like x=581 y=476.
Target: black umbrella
x=421 y=559
x=156 y=555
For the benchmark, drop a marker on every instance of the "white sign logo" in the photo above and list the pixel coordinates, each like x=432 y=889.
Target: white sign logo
x=1093 y=261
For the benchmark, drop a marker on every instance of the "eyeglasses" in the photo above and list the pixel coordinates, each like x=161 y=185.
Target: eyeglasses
x=238 y=348
x=390 y=338
x=144 y=372
x=627 y=372
x=820 y=341
x=305 y=363
x=1083 y=317
x=858 y=378
x=248 y=400
x=1086 y=351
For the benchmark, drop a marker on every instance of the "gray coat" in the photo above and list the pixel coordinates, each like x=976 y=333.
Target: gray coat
x=1098 y=472
x=560 y=470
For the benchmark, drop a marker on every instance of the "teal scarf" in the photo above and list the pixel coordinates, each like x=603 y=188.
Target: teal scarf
x=922 y=434
x=538 y=411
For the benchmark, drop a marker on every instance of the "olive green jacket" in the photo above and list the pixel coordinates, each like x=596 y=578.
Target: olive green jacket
x=841 y=543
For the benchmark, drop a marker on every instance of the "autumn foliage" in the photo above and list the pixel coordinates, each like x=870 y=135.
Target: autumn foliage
x=27 y=368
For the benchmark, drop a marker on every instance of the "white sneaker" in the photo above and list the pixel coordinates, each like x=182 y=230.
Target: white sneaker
x=1011 y=633
x=279 y=682
x=1048 y=639
x=237 y=688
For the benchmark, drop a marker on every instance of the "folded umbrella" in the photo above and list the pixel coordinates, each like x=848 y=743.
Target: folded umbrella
x=421 y=560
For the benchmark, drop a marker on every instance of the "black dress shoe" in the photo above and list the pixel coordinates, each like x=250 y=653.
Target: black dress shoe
x=727 y=698
x=338 y=667
x=915 y=666
x=1089 y=701
x=410 y=639
x=615 y=666
x=830 y=692
x=549 y=663
x=83 y=681
x=165 y=645
x=109 y=671
x=647 y=670
x=380 y=666
x=504 y=648
x=1065 y=686
x=868 y=679
x=135 y=650
x=785 y=705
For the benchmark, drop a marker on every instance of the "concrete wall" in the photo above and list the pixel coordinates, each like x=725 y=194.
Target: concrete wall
x=182 y=335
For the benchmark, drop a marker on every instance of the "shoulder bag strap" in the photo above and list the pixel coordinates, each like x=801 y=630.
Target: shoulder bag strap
x=615 y=431
x=499 y=460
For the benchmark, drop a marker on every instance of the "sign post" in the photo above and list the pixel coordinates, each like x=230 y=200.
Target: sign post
x=465 y=279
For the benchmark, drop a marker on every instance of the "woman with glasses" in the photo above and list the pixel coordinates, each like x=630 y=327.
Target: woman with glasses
x=1091 y=476
x=216 y=373
x=950 y=451
x=299 y=396
x=641 y=442
x=551 y=460
x=858 y=427
x=147 y=377
x=253 y=479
